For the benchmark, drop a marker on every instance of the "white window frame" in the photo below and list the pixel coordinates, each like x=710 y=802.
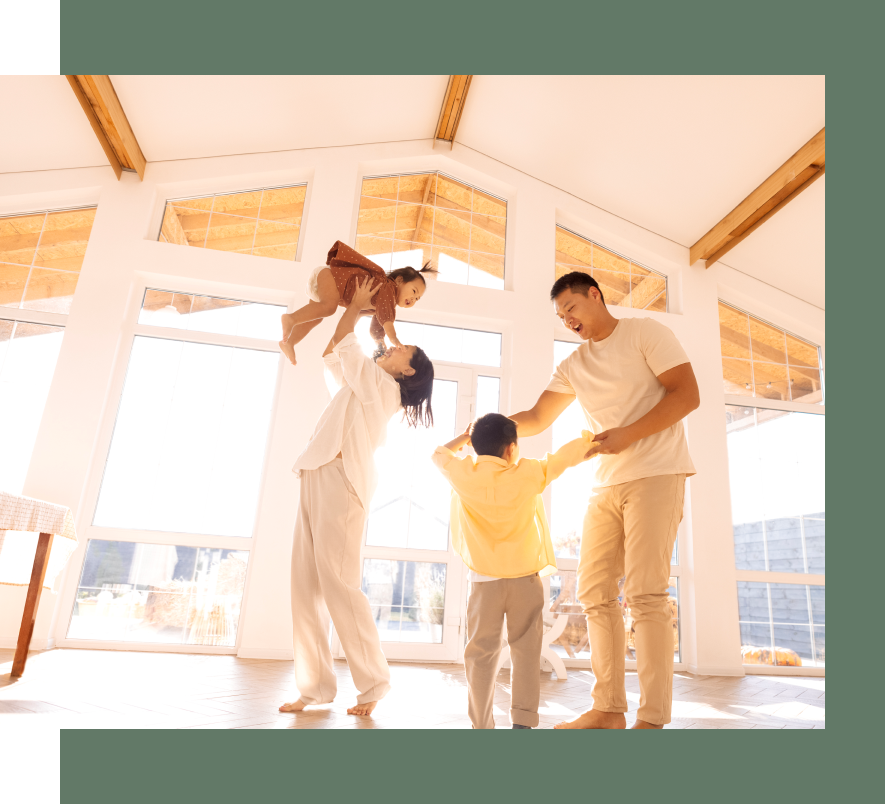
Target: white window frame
x=455 y=622
x=766 y=576
x=130 y=330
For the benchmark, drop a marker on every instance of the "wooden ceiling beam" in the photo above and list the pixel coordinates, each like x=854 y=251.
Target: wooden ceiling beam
x=452 y=107
x=796 y=174
x=102 y=107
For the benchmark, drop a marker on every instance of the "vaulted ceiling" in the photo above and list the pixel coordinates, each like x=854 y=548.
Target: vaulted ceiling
x=673 y=154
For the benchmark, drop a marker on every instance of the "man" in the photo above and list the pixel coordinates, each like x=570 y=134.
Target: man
x=635 y=384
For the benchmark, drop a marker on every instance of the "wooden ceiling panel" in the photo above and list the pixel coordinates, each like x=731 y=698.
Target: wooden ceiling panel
x=452 y=107
x=798 y=173
x=102 y=108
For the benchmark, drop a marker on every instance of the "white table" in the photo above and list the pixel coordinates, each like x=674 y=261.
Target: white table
x=21 y=520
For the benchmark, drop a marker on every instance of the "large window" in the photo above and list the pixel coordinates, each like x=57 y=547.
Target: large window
x=28 y=353
x=189 y=440
x=570 y=495
x=410 y=219
x=776 y=461
x=761 y=360
x=168 y=545
x=263 y=223
x=40 y=258
x=776 y=467
x=623 y=281
x=175 y=595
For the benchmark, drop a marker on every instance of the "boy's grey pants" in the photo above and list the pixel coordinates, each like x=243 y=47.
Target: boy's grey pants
x=522 y=601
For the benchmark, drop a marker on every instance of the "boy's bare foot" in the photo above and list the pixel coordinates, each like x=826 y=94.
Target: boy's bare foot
x=595 y=720
x=363 y=709
x=289 y=351
x=642 y=724
x=295 y=706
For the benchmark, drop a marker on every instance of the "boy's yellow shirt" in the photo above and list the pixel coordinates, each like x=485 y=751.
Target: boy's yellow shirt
x=498 y=523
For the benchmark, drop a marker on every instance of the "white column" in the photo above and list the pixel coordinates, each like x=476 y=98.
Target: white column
x=711 y=634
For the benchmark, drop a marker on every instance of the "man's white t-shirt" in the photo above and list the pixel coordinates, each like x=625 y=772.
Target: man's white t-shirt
x=616 y=383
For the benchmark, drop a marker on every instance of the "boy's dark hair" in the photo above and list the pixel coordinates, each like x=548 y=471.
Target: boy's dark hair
x=492 y=434
x=576 y=282
x=410 y=274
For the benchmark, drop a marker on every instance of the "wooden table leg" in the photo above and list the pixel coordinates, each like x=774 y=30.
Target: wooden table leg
x=32 y=601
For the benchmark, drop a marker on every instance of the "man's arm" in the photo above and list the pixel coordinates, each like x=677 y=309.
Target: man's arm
x=681 y=399
x=546 y=410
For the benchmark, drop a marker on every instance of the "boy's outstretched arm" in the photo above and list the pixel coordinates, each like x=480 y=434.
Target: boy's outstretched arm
x=571 y=454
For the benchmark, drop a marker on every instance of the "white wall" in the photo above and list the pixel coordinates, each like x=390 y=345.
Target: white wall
x=122 y=254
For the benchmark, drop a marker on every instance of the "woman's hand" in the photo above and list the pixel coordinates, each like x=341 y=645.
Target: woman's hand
x=364 y=292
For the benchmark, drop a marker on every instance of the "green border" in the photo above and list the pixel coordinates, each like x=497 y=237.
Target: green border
x=224 y=37
x=839 y=40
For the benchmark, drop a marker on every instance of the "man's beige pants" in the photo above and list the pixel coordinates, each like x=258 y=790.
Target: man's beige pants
x=631 y=528
x=326 y=580
x=522 y=601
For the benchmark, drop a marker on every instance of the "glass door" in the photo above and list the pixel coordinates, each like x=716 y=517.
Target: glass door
x=415 y=583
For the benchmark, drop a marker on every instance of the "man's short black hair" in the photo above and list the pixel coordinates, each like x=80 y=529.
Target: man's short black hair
x=492 y=434
x=576 y=282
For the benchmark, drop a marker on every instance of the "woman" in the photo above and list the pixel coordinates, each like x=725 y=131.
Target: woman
x=338 y=478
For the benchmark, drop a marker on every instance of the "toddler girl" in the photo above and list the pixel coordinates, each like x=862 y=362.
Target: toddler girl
x=332 y=285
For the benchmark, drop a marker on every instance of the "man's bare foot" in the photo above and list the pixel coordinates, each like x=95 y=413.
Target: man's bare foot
x=289 y=351
x=595 y=720
x=642 y=724
x=295 y=706
x=363 y=709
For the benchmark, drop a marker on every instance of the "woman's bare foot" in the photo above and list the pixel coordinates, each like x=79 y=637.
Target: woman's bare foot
x=642 y=724
x=295 y=706
x=289 y=351
x=595 y=720
x=363 y=708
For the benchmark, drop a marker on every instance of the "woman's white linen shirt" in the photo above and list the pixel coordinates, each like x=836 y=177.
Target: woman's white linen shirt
x=355 y=421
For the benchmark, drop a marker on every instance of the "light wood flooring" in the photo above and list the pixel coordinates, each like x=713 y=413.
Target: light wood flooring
x=68 y=688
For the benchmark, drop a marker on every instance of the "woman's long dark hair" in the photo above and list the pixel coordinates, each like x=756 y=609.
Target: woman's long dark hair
x=410 y=274
x=416 y=390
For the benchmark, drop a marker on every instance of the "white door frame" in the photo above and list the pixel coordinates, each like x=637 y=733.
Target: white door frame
x=451 y=649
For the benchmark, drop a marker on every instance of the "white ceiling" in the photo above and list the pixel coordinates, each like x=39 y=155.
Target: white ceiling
x=673 y=154
x=788 y=250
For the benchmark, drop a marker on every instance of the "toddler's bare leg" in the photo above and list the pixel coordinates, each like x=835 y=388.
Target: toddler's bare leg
x=298 y=323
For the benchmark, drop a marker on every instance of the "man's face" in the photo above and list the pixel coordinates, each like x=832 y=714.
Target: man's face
x=577 y=311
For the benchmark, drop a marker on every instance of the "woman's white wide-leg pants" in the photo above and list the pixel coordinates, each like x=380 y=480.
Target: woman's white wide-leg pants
x=326 y=581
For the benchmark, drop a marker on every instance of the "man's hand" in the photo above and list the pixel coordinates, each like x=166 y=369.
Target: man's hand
x=614 y=441
x=364 y=292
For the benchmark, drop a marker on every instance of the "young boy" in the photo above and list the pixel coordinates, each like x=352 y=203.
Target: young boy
x=501 y=533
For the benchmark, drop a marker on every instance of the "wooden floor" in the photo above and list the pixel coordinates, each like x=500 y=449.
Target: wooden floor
x=117 y=689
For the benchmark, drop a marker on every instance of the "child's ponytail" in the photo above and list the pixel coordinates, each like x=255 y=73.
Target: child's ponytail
x=409 y=274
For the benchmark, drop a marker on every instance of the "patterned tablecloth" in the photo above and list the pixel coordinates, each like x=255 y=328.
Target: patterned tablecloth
x=22 y=520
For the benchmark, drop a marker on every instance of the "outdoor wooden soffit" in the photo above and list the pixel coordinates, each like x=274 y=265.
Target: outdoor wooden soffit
x=108 y=120
x=799 y=172
x=452 y=106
